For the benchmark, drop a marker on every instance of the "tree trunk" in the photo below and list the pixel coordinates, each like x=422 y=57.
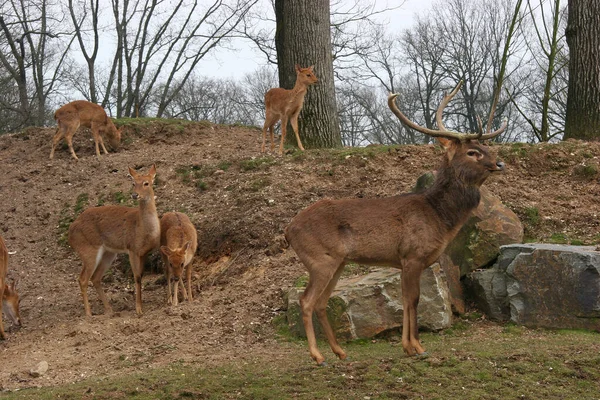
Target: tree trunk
x=583 y=100
x=303 y=37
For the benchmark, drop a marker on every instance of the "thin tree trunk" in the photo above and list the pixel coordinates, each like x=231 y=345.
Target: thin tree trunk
x=303 y=37
x=583 y=100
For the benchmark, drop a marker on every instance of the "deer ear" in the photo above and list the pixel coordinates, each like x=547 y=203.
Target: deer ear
x=152 y=172
x=311 y=67
x=132 y=173
x=187 y=245
x=165 y=250
x=297 y=67
x=449 y=145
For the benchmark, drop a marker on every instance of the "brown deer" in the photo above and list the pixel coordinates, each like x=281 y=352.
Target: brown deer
x=8 y=293
x=179 y=240
x=408 y=231
x=100 y=233
x=285 y=105
x=84 y=113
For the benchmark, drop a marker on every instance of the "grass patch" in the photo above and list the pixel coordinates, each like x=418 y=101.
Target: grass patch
x=558 y=238
x=260 y=183
x=195 y=175
x=256 y=163
x=68 y=214
x=478 y=363
x=588 y=171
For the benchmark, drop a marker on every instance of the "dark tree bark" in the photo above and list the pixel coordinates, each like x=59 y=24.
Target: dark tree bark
x=303 y=37
x=583 y=100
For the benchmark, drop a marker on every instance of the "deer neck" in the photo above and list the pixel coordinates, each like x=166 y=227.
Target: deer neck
x=452 y=199
x=148 y=216
x=299 y=90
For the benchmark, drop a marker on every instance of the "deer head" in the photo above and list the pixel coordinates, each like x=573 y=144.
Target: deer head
x=469 y=158
x=10 y=303
x=142 y=184
x=306 y=76
x=176 y=259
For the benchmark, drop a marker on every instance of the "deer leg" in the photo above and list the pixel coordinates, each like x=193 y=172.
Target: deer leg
x=411 y=290
x=97 y=138
x=137 y=267
x=106 y=259
x=270 y=122
x=320 y=277
x=57 y=136
x=69 y=138
x=168 y=277
x=188 y=276
x=272 y=133
x=176 y=293
x=2 y=334
x=89 y=258
x=321 y=310
x=284 y=122
x=294 y=121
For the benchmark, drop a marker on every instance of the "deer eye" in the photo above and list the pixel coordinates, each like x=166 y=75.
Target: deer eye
x=473 y=153
x=146 y=184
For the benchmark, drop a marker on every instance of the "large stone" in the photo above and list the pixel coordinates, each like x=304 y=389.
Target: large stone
x=478 y=242
x=366 y=306
x=542 y=285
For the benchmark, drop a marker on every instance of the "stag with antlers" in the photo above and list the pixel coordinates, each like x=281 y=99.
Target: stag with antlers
x=408 y=231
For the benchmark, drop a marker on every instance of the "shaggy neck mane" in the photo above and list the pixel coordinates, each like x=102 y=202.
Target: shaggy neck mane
x=451 y=198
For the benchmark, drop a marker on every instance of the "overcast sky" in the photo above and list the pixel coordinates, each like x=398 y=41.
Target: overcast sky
x=224 y=63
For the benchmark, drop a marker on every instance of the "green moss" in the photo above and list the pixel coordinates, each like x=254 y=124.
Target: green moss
x=256 y=163
x=588 y=171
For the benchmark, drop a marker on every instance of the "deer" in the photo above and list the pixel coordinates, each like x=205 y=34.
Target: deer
x=98 y=234
x=408 y=231
x=84 y=113
x=285 y=105
x=179 y=240
x=8 y=293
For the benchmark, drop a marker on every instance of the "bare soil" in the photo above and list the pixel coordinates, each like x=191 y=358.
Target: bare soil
x=240 y=203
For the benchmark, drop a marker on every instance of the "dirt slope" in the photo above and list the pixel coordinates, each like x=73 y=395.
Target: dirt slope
x=240 y=202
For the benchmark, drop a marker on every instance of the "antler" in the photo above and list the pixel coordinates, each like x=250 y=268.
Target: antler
x=442 y=131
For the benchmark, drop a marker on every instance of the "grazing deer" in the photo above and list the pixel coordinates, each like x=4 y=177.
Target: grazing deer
x=100 y=233
x=179 y=240
x=285 y=105
x=8 y=293
x=408 y=231
x=81 y=112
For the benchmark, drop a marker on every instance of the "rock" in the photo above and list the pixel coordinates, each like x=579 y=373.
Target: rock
x=39 y=370
x=543 y=285
x=492 y=225
x=366 y=306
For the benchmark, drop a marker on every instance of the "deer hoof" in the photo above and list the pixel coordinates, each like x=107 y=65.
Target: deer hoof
x=422 y=355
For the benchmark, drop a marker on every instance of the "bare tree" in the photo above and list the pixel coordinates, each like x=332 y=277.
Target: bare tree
x=29 y=58
x=583 y=102
x=303 y=37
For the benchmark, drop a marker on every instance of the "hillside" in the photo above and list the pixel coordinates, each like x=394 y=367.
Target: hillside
x=240 y=203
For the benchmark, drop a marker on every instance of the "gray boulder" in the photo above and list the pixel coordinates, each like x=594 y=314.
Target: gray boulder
x=365 y=306
x=542 y=285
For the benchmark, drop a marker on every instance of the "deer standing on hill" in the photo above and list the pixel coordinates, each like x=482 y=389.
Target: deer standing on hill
x=8 y=293
x=285 y=105
x=84 y=113
x=408 y=231
x=100 y=233
x=179 y=240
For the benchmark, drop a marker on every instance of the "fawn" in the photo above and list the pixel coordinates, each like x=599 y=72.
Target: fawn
x=408 y=231
x=179 y=240
x=100 y=233
x=285 y=105
x=84 y=113
x=8 y=293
